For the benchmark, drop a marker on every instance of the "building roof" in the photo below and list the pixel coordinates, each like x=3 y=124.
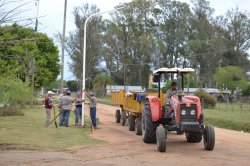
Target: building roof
x=208 y=90
x=173 y=70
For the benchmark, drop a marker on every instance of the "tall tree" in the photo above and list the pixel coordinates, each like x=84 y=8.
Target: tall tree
x=23 y=53
x=10 y=12
x=237 y=33
x=74 y=44
x=172 y=24
x=202 y=43
x=127 y=44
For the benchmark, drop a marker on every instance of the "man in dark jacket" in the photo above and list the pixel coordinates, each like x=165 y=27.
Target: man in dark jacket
x=48 y=107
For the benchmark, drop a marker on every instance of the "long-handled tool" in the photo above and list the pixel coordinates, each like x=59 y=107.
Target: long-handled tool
x=55 y=118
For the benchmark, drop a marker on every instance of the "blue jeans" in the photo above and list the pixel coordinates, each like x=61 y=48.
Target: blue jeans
x=78 y=114
x=93 y=116
x=65 y=116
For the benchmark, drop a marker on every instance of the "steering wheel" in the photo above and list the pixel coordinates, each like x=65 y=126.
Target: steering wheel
x=171 y=94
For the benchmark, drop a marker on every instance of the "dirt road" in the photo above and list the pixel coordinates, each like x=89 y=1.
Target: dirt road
x=126 y=148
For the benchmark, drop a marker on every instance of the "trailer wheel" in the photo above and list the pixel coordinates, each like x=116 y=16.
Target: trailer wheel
x=161 y=136
x=138 y=130
x=123 y=117
x=117 y=116
x=148 y=127
x=131 y=122
x=209 y=137
x=193 y=137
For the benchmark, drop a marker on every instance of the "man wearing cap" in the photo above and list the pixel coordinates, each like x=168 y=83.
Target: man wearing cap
x=92 y=106
x=48 y=107
x=170 y=92
x=66 y=103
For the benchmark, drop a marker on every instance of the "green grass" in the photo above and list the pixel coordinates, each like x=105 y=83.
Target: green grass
x=104 y=100
x=28 y=132
x=230 y=116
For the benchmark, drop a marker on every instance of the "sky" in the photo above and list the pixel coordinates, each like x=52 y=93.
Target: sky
x=51 y=15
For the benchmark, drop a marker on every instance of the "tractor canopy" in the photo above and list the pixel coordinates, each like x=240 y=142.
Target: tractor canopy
x=173 y=70
x=179 y=71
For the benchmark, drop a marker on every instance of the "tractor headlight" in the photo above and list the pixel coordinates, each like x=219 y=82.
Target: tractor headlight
x=183 y=112
x=192 y=112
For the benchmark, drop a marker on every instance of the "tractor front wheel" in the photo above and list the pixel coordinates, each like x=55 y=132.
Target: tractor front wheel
x=148 y=127
x=209 y=137
x=138 y=129
x=117 y=116
x=161 y=136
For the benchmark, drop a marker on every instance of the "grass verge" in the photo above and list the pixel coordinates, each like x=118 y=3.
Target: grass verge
x=104 y=100
x=28 y=132
x=235 y=120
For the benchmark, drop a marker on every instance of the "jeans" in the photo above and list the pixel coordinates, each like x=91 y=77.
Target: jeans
x=78 y=114
x=65 y=117
x=93 y=116
x=60 y=117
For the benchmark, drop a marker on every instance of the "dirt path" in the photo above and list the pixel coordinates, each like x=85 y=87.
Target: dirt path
x=126 y=148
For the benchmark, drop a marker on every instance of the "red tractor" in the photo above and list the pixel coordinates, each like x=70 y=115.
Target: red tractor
x=184 y=115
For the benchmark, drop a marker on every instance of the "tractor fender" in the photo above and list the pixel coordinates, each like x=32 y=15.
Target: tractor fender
x=155 y=107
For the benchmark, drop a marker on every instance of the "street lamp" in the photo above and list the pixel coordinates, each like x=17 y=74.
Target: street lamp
x=63 y=45
x=84 y=55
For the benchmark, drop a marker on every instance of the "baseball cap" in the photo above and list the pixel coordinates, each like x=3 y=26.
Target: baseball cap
x=50 y=92
x=68 y=92
x=91 y=94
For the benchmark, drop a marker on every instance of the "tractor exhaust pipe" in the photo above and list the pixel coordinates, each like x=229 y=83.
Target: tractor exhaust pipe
x=179 y=86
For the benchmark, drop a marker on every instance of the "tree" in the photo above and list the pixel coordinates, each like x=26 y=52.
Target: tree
x=100 y=82
x=13 y=93
x=73 y=85
x=24 y=53
x=172 y=26
x=128 y=45
x=237 y=34
x=203 y=43
x=10 y=12
x=231 y=77
x=74 y=44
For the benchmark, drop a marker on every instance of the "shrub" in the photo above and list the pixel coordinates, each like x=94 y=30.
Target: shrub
x=13 y=92
x=207 y=100
x=10 y=111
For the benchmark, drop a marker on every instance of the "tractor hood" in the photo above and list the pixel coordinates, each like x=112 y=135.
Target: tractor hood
x=185 y=99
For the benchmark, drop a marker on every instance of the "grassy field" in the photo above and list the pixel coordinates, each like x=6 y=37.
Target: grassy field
x=230 y=116
x=104 y=100
x=28 y=132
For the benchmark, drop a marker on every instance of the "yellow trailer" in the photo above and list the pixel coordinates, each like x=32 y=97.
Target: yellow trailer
x=131 y=106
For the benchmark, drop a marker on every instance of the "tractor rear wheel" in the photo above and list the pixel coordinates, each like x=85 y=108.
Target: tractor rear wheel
x=138 y=130
x=123 y=117
x=117 y=116
x=193 y=137
x=131 y=122
x=209 y=137
x=161 y=136
x=148 y=127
